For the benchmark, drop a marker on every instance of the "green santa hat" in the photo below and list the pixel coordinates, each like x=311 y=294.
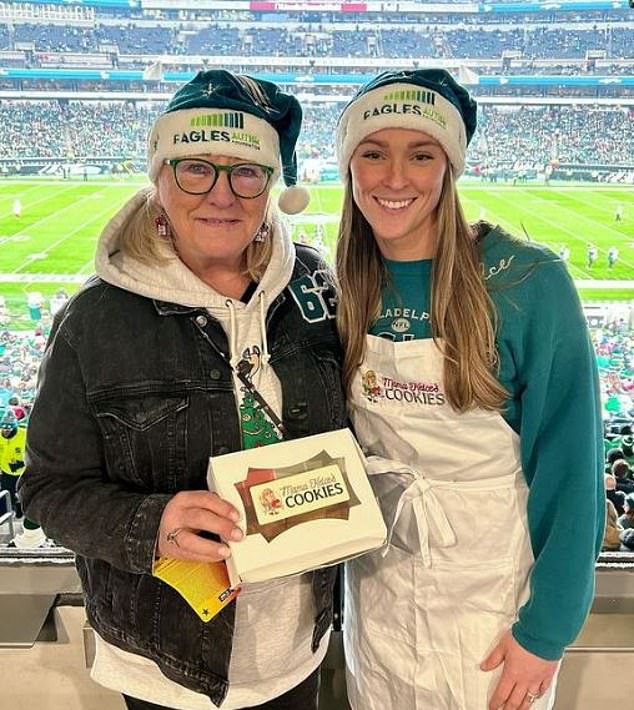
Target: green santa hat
x=427 y=100
x=235 y=115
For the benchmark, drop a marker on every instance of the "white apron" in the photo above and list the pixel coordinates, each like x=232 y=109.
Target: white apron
x=423 y=614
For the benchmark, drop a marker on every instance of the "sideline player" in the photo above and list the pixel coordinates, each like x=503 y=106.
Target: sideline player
x=613 y=255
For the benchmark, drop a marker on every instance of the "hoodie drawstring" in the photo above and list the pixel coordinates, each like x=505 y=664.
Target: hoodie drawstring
x=265 y=343
x=234 y=356
x=235 y=359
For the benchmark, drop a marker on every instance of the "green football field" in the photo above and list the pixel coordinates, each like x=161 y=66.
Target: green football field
x=51 y=245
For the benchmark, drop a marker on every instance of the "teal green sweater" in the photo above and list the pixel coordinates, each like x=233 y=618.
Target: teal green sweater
x=548 y=365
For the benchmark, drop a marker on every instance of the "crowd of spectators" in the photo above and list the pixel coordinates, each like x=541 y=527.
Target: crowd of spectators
x=526 y=135
x=555 y=13
x=317 y=136
x=614 y=347
x=533 y=67
x=536 y=135
x=433 y=14
x=20 y=355
x=73 y=129
x=474 y=42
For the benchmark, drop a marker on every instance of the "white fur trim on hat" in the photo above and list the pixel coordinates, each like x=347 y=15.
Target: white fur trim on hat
x=402 y=106
x=200 y=131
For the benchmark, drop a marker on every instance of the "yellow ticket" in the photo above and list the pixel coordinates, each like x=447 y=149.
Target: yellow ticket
x=204 y=585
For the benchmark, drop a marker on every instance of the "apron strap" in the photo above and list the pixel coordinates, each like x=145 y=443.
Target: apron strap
x=431 y=520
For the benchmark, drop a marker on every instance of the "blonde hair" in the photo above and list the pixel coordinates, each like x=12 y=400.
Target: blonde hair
x=139 y=237
x=463 y=317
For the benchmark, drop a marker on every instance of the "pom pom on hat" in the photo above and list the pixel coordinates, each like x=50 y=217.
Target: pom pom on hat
x=294 y=199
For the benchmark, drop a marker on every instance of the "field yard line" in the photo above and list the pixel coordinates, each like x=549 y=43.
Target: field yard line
x=320 y=208
x=30 y=204
x=30 y=279
x=603 y=283
x=90 y=262
x=21 y=196
x=557 y=226
x=621 y=260
x=621 y=236
x=604 y=209
x=571 y=267
x=559 y=187
x=70 y=234
x=142 y=180
x=513 y=188
x=54 y=214
x=501 y=221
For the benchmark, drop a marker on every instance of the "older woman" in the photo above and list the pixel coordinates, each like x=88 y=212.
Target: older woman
x=483 y=416
x=204 y=331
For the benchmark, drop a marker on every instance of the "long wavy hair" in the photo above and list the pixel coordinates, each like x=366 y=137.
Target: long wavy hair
x=139 y=237
x=463 y=318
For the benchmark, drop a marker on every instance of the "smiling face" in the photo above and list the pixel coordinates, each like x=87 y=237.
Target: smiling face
x=397 y=178
x=211 y=231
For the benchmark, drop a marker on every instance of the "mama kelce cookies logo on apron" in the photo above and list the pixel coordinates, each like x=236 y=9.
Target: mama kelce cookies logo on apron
x=371 y=388
x=376 y=388
x=277 y=499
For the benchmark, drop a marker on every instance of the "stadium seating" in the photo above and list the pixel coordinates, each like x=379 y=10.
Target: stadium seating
x=427 y=41
x=531 y=136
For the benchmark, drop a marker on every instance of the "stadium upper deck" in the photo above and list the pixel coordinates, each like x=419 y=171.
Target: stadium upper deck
x=369 y=11
x=549 y=54
x=533 y=61
x=126 y=32
x=426 y=41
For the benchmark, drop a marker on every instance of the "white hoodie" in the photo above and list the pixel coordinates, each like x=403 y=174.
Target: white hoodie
x=274 y=621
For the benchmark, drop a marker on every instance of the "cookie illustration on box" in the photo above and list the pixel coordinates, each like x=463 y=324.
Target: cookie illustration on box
x=270 y=502
x=277 y=499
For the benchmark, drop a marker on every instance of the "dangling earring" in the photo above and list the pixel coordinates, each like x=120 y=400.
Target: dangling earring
x=263 y=233
x=162 y=227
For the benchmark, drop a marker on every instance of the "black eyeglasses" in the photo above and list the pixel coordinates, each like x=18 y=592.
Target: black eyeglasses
x=198 y=177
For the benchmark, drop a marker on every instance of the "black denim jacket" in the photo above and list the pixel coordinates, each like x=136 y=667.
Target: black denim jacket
x=134 y=396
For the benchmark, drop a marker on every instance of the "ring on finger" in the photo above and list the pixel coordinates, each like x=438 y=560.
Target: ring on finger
x=532 y=697
x=172 y=536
